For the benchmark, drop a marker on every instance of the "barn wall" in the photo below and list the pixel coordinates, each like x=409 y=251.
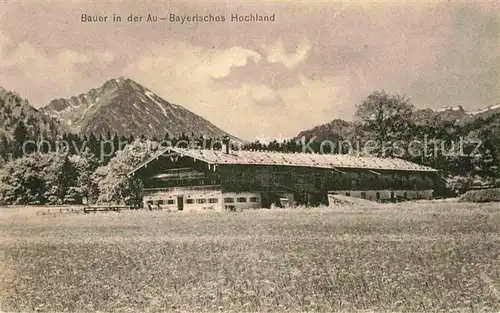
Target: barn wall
x=153 y=197
x=268 y=182
x=270 y=178
x=283 y=178
x=206 y=196
x=168 y=199
x=238 y=205
x=315 y=180
x=386 y=194
x=206 y=174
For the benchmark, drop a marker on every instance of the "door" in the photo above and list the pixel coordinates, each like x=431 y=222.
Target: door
x=180 y=203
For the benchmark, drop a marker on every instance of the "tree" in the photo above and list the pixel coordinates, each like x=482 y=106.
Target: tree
x=117 y=144
x=487 y=162
x=37 y=178
x=459 y=184
x=20 y=135
x=55 y=179
x=385 y=119
x=113 y=183
x=85 y=164
x=4 y=147
x=94 y=145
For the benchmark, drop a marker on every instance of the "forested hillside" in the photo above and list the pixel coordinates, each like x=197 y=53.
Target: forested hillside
x=464 y=146
x=19 y=121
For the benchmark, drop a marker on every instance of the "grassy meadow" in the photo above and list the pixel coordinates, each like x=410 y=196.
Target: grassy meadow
x=420 y=257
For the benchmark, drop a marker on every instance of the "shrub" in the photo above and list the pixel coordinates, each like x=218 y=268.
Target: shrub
x=481 y=195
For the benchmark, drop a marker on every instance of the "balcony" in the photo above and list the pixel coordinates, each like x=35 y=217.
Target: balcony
x=149 y=191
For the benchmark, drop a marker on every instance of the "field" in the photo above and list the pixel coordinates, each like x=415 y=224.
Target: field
x=425 y=257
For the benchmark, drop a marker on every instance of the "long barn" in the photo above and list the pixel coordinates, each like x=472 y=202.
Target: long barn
x=185 y=179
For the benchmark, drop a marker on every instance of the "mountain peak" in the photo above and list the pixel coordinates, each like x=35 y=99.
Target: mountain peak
x=14 y=108
x=457 y=108
x=121 y=81
x=125 y=107
x=337 y=128
x=458 y=113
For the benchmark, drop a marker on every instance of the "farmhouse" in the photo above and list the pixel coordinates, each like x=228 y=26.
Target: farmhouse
x=186 y=179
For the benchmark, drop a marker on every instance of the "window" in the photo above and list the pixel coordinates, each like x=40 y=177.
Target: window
x=348 y=194
x=318 y=182
x=201 y=201
x=170 y=201
x=189 y=201
x=202 y=182
x=242 y=199
x=363 y=195
x=254 y=199
x=213 y=200
x=160 y=202
x=213 y=181
x=228 y=200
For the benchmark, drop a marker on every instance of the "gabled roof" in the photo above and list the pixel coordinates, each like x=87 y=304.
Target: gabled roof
x=245 y=157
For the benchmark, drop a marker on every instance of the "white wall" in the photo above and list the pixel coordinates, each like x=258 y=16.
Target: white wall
x=243 y=205
x=386 y=194
x=187 y=194
x=207 y=206
x=239 y=206
x=201 y=194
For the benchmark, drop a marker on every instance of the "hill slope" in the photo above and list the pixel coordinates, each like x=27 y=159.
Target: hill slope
x=335 y=130
x=459 y=114
x=340 y=129
x=124 y=107
x=14 y=109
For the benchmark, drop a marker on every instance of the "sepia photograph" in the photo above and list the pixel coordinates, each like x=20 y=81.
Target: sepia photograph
x=249 y=156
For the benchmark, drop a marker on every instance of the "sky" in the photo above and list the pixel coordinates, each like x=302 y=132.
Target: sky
x=257 y=80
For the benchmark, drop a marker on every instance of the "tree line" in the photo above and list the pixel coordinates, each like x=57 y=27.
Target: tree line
x=72 y=168
x=465 y=153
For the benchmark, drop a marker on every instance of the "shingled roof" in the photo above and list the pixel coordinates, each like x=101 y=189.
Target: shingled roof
x=245 y=157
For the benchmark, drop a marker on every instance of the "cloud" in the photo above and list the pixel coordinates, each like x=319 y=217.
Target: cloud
x=277 y=54
x=219 y=65
x=259 y=93
x=5 y=41
x=185 y=75
x=67 y=59
x=261 y=78
x=312 y=102
x=60 y=71
x=27 y=58
x=191 y=63
x=106 y=56
x=20 y=55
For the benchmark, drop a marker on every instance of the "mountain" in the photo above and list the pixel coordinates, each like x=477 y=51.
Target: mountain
x=335 y=130
x=458 y=113
x=14 y=109
x=340 y=129
x=124 y=107
x=476 y=134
